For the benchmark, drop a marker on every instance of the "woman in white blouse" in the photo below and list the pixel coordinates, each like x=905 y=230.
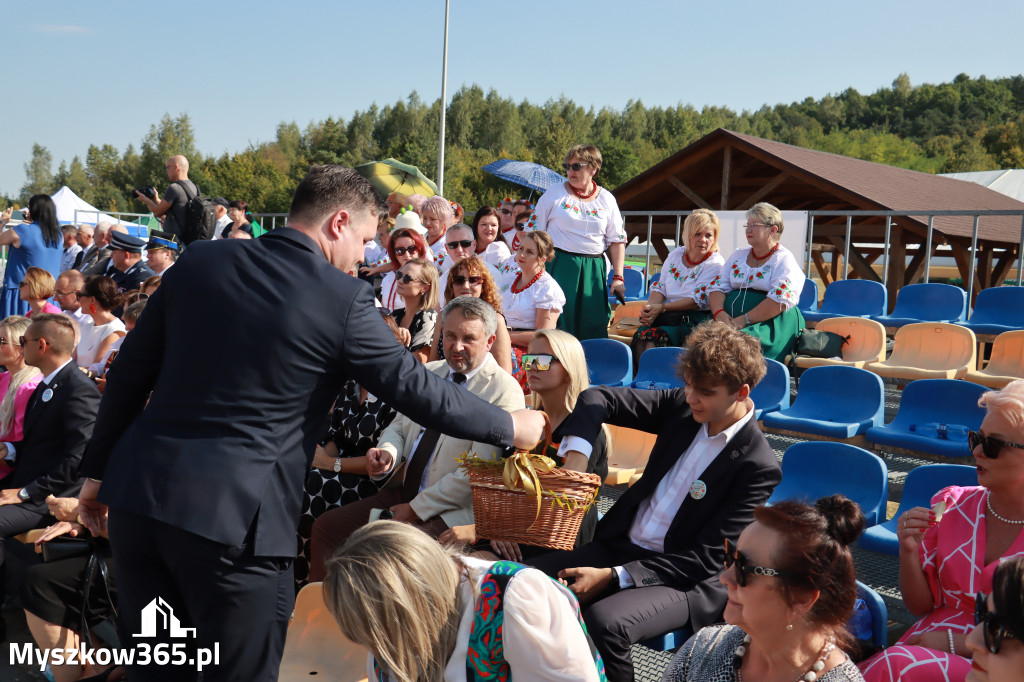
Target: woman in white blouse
x=759 y=287
x=531 y=297
x=490 y=243
x=584 y=222
x=679 y=299
x=427 y=613
x=99 y=296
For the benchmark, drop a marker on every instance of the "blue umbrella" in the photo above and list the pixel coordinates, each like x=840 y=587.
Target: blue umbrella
x=525 y=173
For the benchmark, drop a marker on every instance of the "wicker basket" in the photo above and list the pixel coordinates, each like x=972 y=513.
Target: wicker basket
x=517 y=515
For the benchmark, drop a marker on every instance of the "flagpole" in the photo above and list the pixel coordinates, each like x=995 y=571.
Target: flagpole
x=444 y=103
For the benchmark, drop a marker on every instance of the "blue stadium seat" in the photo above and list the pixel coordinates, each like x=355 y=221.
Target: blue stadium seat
x=610 y=362
x=772 y=394
x=997 y=310
x=817 y=469
x=657 y=369
x=879 y=615
x=931 y=302
x=808 y=297
x=634 y=283
x=823 y=409
x=921 y=484
x=934 y=417
x=851 y=298
x=669 y=640
x=654 y=278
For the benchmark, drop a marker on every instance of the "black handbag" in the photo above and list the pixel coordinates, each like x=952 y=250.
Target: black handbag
x=820 y=344
x=64 y=547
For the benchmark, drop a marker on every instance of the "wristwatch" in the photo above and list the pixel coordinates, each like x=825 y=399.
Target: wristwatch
x=23 y=495
x=337 y=464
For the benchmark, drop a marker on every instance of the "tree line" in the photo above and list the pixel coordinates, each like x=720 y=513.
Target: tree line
x=969 y=124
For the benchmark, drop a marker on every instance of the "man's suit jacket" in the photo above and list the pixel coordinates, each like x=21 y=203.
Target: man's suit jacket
x=95 y=263
x=448 y=493
x=55 y=436
x=740 y=478
x=224 y=444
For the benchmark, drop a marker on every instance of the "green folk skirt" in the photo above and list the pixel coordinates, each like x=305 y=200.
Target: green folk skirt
x=585 y=285
x=777 y=335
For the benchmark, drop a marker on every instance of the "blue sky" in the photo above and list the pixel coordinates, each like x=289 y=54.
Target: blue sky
x=100 y=72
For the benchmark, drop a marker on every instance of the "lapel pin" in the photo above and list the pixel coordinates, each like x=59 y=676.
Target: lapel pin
x=734 y=454
x=698 y=490
x=47 y=395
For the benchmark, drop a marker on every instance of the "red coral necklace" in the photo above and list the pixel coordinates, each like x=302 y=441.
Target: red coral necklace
x=529 y=284
x=770 y=252
x=691 y=264
x=580 y=194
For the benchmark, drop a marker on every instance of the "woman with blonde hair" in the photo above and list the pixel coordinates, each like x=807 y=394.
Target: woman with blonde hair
x=532 y=298
x=428 y=614
x=416 y=282
x=17 y=383
x=437 y=216
x=36 y=288
x=678 y=301
x=556 y=369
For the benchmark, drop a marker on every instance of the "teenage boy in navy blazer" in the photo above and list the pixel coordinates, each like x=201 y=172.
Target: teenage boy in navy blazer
x=654 y=562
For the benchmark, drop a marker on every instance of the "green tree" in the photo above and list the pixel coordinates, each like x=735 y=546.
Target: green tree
x=172 y=136
x=38 y=177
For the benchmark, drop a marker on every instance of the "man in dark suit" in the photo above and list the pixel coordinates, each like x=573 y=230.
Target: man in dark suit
x=654 y=562
x=58 y=423
x=204 y=482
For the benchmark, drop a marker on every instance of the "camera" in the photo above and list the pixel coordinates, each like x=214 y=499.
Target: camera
x=147 y=191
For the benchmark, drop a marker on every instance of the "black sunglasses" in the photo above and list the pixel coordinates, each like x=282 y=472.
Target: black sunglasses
x=402 y=250
x=403 y=277
x=989 y=445
x=464 y=243
x=472 y=279
x=743 y=568
x=993 y=630
x=22 y=340
x=506 y=211
x=574 y=166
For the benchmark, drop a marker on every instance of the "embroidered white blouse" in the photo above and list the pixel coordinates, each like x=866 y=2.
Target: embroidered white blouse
x=585 y=227
x=521 y=309
x=780 y=276
x=678 y=280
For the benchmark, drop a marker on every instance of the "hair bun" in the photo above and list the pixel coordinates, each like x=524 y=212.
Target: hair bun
x=843 y=517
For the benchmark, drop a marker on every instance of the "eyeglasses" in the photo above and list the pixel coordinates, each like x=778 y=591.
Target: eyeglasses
x=80 y=294
x=989 y=445
x=520 y=226
x=541 y=363
x=574 y=166
x=473 y=280
x=404 y=278
x=743 y=569
x=506 y=211
x=753 y=225
x=464 y=243
x=994 y=631
x=23 y=340
x=65 y=293
x=402 y=250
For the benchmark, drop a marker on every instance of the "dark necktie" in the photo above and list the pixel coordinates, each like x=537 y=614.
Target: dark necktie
x=422 y=455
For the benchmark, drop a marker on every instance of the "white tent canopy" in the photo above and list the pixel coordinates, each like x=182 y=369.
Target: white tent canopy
x=1009 y=182
x=68 y=202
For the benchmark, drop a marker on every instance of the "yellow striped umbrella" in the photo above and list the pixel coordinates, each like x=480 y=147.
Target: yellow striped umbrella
x=389 y=176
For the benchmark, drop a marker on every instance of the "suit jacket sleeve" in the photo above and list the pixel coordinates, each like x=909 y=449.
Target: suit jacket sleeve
x=378 y=363
x=77 y=419
x=634 y=408
x=393 y=440
x=130 y=380
x=704 y=557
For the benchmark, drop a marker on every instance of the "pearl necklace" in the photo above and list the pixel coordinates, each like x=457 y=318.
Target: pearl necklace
x=810 y=676
x=580 y=194
x=988 y=503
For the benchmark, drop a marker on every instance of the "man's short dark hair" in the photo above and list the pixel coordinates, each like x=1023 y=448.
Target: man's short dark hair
x=719 y=354
x=57 y=329
x=327 y=189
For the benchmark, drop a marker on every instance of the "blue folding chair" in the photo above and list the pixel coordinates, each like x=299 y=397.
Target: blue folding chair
x=820 y=468
x=772 y=393
x=610 y=362
x=657 y=369
x=654 y=278
x=921 y=484
x=876 y=611
x=934 y=417
x=633 y=280
x=822 y=410
x=669 y=640
x=851 y=298
x=808 y=302
x=997 y=310
x=932 y=302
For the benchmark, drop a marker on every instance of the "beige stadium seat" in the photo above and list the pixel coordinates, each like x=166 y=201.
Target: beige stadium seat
x=625 y=320
x=866 y=344
x=929 y=350
x=629 y=452
x=315 y=649
x=1005 y=364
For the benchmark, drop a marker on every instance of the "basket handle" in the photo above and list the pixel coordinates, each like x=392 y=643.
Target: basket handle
x=522 y=467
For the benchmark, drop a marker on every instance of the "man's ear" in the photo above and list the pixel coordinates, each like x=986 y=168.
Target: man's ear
x=338 y=222
x=490 y=341
x=743 y=393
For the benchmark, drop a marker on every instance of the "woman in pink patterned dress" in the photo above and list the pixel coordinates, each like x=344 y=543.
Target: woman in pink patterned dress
x=947 y=555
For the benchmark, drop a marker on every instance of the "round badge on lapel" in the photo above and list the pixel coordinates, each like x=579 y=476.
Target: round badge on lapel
x=698 y=490
x=47 y=394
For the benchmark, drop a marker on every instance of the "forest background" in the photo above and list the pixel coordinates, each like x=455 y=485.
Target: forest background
x=970 y=124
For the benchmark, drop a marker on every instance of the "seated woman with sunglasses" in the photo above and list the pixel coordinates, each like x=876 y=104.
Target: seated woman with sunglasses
x=997 y=641
x=406 y=243
x=36 y=288
x=471 y=277
x=791 y=586
x=950 y=551
x=99 y=297
x=532 y=298
x=417 y=285
x=490 y=243
x=556 y=369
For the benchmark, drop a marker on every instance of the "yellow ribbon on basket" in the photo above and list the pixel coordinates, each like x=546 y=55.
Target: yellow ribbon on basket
x=521 y=470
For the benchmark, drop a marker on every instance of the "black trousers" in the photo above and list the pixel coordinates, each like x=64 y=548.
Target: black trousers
x=620 y=619
x=15 y=520
x=238 y=603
